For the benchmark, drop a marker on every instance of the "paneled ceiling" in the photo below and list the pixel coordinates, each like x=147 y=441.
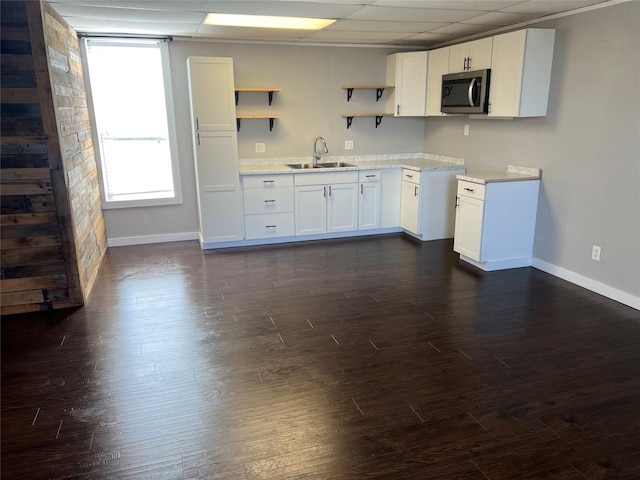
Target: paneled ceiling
x=420 y=23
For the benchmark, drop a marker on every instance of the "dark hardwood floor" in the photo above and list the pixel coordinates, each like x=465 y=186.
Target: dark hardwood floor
x=369 y=358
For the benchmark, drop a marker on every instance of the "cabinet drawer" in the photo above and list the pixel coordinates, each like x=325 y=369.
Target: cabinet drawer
x=369 y=176
x=269 y=225
x=268 y=200
x=410 y=176
x=470 y=189
x=267 y=181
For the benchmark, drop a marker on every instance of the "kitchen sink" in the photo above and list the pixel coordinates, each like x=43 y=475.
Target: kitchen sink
x=299 y=166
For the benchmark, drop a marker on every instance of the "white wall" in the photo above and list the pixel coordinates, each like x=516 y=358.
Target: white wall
x=311 y=104
x=588 y=148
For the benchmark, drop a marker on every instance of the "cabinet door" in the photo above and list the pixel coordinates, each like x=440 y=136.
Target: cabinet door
x=480 y=54
x=467 y=239
x=221 y=217
x=458 y=57
x=410 y=207
x=342 y=207
x=212 y=93
x=369 y=206
x=437 y=67
x=474 y=55
x=217 y=161
x=311 y=209
x=218 y=185
x=521 y=73
x=411 y=84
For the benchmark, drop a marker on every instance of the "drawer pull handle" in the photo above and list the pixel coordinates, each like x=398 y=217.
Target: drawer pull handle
x=269 y=201
x=409 y=176
x=271 y=226
x=371 y=176
x=469 y=189
x=268 y=181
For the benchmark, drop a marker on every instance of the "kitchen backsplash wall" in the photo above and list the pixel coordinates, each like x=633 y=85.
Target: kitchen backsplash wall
x=588 y=147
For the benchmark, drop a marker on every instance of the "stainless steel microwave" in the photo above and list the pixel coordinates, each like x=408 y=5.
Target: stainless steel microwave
x=466 y=92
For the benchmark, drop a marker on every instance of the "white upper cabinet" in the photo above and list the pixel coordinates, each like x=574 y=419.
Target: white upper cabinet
x=521 y=73
x=475 y=55
x=212 y=89
x=438 y=66
x=408 y=73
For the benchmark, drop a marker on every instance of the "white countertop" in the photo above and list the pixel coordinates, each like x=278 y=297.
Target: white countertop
x=514 y=173
x=418 y=162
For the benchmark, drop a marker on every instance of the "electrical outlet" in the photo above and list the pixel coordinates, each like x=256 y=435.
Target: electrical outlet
x=466 y=130
x=595 y=253
x=348 y=144
x=260 y=147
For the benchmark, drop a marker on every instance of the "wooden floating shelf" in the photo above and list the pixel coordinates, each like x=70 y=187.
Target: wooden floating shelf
x=270 y=91
x=378 y=88
x=378 y=116
x=271 y=119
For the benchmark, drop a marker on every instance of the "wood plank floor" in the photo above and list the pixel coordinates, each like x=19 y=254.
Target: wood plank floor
x=369 y=358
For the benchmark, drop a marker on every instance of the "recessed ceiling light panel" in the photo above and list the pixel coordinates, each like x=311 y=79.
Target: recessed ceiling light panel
x=266 y=21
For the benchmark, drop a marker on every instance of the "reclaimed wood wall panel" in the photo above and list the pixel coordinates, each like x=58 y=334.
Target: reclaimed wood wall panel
x=48 y=165
x=76 y=145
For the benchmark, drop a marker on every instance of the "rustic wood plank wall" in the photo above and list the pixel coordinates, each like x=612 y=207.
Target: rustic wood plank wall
x=75 y=135
x=53 y=236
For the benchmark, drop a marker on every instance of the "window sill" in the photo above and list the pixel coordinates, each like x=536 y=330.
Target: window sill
x=147 y=202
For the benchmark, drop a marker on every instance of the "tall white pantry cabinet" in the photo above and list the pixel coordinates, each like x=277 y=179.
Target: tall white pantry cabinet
x=215 y=147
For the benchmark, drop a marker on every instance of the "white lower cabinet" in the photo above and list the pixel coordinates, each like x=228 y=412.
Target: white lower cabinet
x=218 y=187
x=410 y=202
x=427 y=207
x=369 y=203
x=268 y=206
x=326 y=202
x=495 y=223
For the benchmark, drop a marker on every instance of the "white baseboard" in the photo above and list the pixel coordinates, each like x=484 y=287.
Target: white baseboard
x=145 y=239
x=588 y=283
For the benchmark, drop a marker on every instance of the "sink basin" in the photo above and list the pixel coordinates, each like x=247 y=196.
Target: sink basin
x=299 y=166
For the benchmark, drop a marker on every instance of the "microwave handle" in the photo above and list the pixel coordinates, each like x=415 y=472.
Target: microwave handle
x=473 y=82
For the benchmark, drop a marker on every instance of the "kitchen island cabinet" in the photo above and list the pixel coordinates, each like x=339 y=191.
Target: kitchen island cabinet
x=495 y=218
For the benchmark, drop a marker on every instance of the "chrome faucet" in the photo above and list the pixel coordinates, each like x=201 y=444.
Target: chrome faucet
x=317 y=156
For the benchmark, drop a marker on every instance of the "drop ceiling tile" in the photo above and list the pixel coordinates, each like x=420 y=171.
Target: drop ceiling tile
x=377 y=26
x=430 y=37
x=338 y=36
x=461 y=29
x=187 y=6
x=499 y=19
x=548 y=7
x=217 y=31
x=95 y=25
x=128 y=14
x=283 y=8
x=480 y=5
x=411 y=14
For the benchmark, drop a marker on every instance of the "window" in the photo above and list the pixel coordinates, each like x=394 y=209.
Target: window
x=134 y=131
